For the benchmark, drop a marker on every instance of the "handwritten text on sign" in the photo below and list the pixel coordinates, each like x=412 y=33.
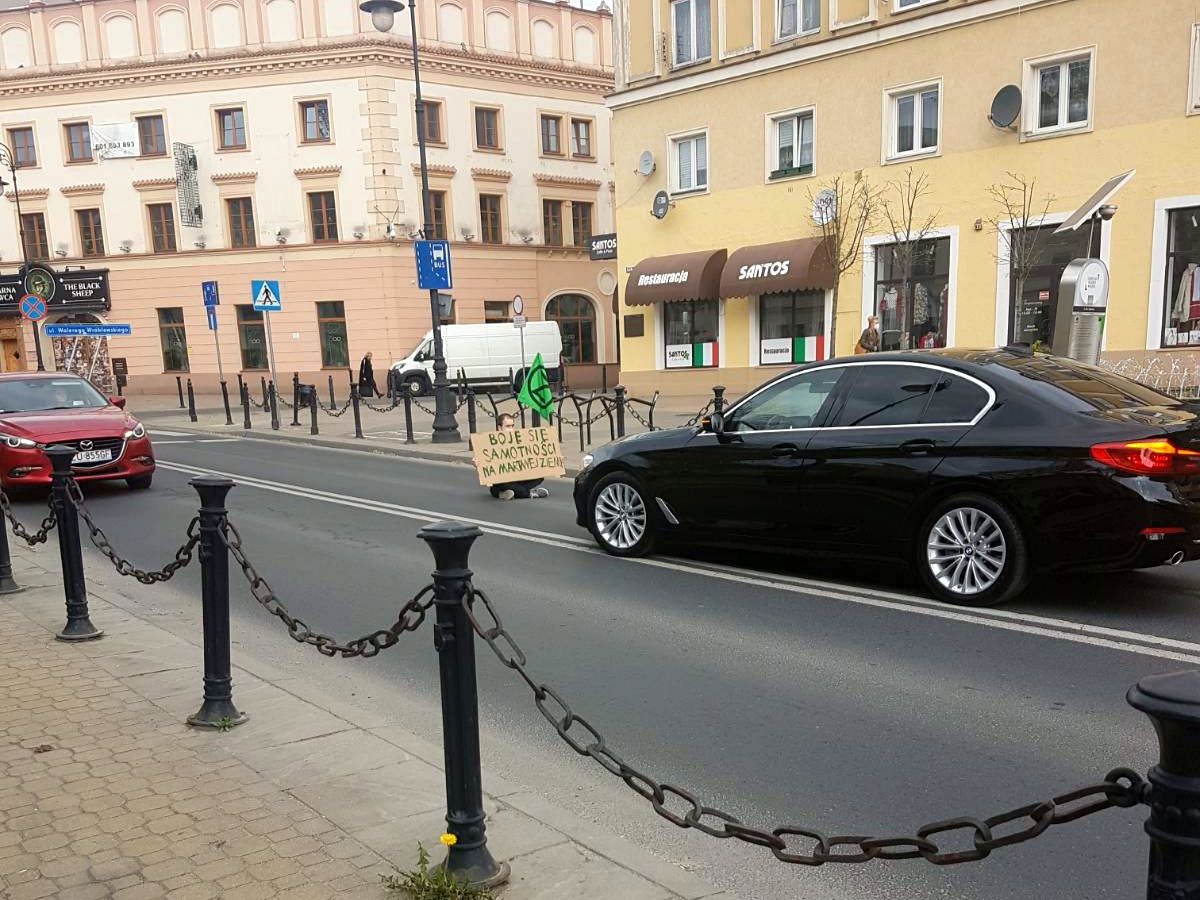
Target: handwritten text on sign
x=517 y=455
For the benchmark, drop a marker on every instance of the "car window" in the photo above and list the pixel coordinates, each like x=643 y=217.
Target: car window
x=955 y=400
x=36 y=394
x=887 y=395
x=1097 y=388
x=795 y=402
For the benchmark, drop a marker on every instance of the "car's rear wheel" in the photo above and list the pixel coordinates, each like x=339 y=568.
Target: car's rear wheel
x=140 y=482
x=620 y=516
x=971 y=552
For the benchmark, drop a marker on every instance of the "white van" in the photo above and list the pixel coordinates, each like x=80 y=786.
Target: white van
x=486 y=354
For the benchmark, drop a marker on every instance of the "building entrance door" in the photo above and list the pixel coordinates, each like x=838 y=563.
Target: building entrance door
x=10 y=349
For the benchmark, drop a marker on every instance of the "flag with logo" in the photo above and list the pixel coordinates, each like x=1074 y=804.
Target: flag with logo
x=535 y=391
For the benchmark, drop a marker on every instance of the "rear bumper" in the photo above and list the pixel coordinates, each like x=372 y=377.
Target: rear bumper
x=31 y=468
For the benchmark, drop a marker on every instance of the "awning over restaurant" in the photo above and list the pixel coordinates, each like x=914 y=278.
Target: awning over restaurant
x=684 y=276
x=798 y=265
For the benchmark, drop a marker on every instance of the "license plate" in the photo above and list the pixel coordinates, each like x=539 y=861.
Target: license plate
x=89 y=456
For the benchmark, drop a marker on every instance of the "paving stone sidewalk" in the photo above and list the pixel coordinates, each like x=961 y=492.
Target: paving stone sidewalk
x=105 y=793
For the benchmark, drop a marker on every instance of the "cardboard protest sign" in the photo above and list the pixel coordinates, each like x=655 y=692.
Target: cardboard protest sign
x=519 y=454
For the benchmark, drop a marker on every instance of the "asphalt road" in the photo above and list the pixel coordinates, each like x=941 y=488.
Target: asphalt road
x=834 y=699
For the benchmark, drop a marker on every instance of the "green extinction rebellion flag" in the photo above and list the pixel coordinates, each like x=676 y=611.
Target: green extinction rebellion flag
x=535 y=392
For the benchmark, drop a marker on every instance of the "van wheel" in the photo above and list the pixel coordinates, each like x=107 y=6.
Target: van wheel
x=417 y=385
x=970 y=552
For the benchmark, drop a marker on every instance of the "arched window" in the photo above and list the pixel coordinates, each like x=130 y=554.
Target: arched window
x=585 y=45
x=225 y=25
x=576 y=318
x=68 y=41
x=545 y=41
x=120 y=37
x=281 y=21
x=15 y=44
x=172 y=31
x=450 y=23
x=498 y=31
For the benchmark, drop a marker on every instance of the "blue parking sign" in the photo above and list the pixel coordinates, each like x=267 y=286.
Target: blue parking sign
x=433 y=265
x=211 y=295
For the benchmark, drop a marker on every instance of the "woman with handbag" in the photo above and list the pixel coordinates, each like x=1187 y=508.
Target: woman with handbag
x=868 y=341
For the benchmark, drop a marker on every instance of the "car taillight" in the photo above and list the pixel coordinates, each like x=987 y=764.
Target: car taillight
x=1149 y=457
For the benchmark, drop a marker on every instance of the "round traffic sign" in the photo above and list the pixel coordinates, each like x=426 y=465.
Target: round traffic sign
x=518 y=305
x=33 y=307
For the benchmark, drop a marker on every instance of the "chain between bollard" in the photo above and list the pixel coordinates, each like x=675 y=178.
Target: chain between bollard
x=337 y=414
x=410 y=618
x=695 y=420
x=633 y=412
x=1121 y=788
x=42 y=534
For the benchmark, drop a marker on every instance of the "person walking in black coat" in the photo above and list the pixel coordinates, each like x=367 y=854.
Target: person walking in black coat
x=366 y=378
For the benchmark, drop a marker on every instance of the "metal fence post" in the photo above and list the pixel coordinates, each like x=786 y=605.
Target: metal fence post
x=241 y=386
x=1173 y=704
x=217 y=710
x=191 y=401
x=79 y=625
x=468 y=859
x=295 y=398
x=179 y=387
x=246 y=423
x=7 y=584
x=332 y=401
x=273 y=402
x=357 y=413
x=619 y=390
x=312 y=408
x=718 y=398
x=266 y=396
x=225 y=400
x=535 y=418
x=408 y=429
x=472 y=423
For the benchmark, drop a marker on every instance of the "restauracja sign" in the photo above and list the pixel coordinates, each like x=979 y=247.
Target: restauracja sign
x=664 y=278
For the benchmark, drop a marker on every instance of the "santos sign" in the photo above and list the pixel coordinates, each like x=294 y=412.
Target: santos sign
x=765 y=270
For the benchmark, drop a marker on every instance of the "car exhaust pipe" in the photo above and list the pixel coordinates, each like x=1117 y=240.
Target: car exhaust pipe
x=1176 y=558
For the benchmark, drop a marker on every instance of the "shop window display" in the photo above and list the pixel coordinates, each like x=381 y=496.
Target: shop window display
x=1182 y=303
x=690 y=331
x=913 y=310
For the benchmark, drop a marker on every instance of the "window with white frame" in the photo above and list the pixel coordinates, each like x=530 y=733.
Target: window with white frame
x=794 y=17
x=689 y=163
x=691 y=26
x=915 y=121
x=911 y=4
x=791 y=144
x=1194 y=81
x=1061 y=90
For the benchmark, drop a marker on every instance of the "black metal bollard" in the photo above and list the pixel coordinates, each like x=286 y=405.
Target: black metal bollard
x=8 y=584
x=408 y=429
x=468 y=859
x=273 y=402
x=332 y=401
x=246 y=423
x=357 y=413
x=1173 y=704
x=312 y=409
x=295 y=398
x=241 y=386
x=179 y=387
x=619 y=391
x=191 y=401
x=217 y=710
x=225 y=400
x=79 y=625
x=472 y=423
x=266 y=397
x=718 y=398
x=535 y=418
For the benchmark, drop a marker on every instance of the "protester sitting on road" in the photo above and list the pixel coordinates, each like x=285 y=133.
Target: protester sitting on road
x=516 y=490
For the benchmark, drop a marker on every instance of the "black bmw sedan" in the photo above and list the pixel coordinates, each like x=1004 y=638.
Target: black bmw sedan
x=981 y=469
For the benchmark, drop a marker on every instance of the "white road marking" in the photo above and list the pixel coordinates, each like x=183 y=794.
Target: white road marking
x=198 y=440
x=154 y=432
x=1025 y=623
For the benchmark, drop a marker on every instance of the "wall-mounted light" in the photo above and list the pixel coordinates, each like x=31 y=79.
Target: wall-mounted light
x=979 y=224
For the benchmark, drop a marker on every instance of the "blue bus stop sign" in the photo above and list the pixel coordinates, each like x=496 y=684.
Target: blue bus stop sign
x=433 y=266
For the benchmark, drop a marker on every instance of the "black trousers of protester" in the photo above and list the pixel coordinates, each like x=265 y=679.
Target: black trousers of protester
x=520 y=489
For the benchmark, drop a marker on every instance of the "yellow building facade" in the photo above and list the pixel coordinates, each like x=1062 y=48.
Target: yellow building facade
x=742 y=111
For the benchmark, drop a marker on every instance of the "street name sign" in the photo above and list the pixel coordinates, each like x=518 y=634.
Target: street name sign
x=63 y=330
x=433 y=265
x=266 y=296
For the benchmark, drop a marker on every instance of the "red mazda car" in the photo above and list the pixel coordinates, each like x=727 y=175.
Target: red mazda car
x=41 y=410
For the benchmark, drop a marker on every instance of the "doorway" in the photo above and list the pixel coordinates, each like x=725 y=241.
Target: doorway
x=11 y=351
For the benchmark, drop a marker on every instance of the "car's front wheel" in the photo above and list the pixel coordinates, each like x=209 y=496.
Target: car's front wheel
x=971 y=552
x=620 y=516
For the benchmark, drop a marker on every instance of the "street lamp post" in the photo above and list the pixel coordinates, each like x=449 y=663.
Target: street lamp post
x=445 y=425
x=8 y=158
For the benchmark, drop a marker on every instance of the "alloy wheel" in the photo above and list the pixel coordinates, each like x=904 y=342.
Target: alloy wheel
x=966 y=551
x=620 y=516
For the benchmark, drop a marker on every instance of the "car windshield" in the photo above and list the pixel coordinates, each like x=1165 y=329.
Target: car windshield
x=1097 y=388
x=20 y=395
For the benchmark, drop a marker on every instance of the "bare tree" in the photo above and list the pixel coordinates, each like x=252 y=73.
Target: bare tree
x=908 y=225
x=1018 y=221
x=844 y=209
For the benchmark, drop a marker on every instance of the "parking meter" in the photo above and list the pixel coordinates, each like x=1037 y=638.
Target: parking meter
x=1082 y=309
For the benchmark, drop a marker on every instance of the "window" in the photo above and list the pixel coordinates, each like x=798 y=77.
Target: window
x=79 y=142
x=581 y=138
x=435 y=224
x=490 y=231
x=690 y=333
x=314 y=122
x=162 y=227
x=551 y=142
x=152 y=136
x=252 y=337
x=37 y=244
x=91 y=236
x=323 y=216
x=955 y=401
x=576 y=318
x=173 y=337
x=799 y=402
x=432 y=113
x=690 y=165
x=24 y=151
x=487 y=128
x=887 y=395
x=912 y=4
x=1182 y=303
x=331 y=326
x=1064 y=91
x=231 y=129
x=793 y=17
x=913 y=307
x=495 y=311
x=915 y=117
x=581 y=223
x=1033 y=303
x=241 y=222
x=791 y=328
x=552 y=233
x=793 y=145
x=692 y=26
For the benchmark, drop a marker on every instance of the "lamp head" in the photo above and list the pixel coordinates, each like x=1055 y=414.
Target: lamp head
x=382 y=13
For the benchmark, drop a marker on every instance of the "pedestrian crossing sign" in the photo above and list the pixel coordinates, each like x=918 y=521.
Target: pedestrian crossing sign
x=266 y=296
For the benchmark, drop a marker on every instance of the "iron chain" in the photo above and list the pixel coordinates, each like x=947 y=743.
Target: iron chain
x=789 y=843
x=695 y=420
x=410 y=618
x=633 y=412
x=43 y=532
x=336 y=414
x=183 y=556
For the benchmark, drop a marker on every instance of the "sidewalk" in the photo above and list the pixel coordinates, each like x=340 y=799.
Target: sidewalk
x=105 y=793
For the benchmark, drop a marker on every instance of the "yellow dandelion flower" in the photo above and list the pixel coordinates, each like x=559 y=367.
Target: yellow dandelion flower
x=449 y=839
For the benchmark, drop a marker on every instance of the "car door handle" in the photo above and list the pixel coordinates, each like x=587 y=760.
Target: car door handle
x=919 y=447
x=785 y=451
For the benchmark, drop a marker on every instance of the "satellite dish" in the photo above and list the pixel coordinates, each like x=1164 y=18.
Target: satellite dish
x=662 y=205
x=824 y=207
x=1006 y=106
x=646 y=165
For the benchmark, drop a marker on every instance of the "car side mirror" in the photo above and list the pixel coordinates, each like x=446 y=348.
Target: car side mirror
x=713 y=423
x=118 y=402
